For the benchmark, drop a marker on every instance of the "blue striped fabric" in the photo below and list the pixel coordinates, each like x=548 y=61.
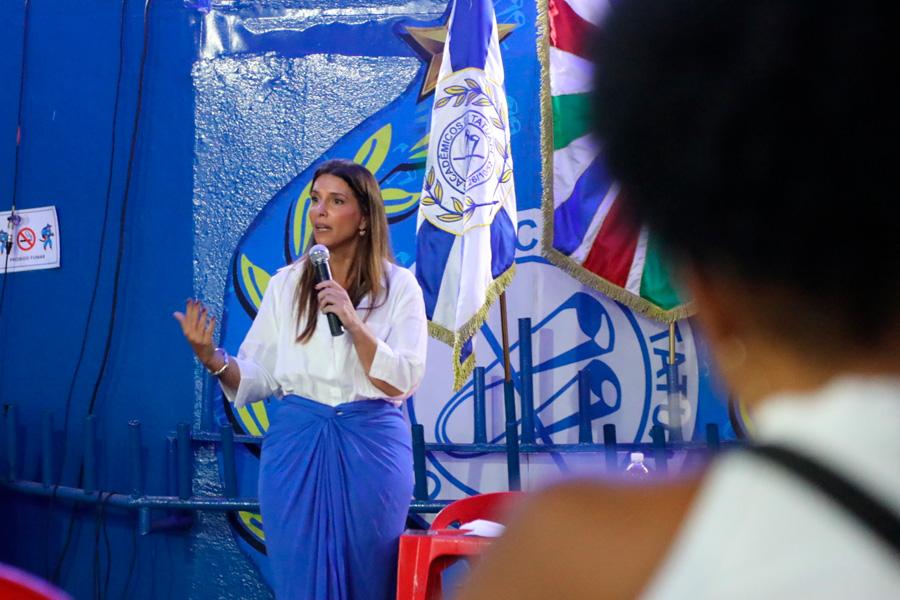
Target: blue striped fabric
x=470 y=34
x=503 y=243
x=572 y=218
x=432 y=254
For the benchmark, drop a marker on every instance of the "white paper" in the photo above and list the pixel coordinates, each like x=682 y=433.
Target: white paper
x=483 y=528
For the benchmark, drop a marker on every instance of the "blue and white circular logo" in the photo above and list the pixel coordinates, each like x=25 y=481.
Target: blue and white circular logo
x=465 y=153
x=573 y=328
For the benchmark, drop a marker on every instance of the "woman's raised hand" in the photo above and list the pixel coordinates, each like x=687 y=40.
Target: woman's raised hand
x=198 y=328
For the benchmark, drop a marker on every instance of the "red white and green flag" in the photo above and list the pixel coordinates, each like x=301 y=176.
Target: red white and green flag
x=586 y=231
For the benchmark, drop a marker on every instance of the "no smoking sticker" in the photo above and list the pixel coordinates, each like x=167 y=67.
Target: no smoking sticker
x=26 y=239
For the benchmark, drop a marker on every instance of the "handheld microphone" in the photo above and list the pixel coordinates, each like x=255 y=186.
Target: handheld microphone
x=318 y=256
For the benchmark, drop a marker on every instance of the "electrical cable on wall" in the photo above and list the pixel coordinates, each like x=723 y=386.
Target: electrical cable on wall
x=131 y=565
x=79 y=360
x=101 y=590
x=14 y=219
x=109 y=179
x=124 y=209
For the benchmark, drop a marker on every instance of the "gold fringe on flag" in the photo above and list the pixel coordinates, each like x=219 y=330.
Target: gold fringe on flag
x=619 y=294
x=456 y=339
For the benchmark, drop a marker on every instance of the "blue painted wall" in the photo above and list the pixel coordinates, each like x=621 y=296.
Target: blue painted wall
x=70 y=84
x=68 y=111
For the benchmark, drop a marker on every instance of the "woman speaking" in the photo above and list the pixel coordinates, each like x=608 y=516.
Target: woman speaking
x=335 y=478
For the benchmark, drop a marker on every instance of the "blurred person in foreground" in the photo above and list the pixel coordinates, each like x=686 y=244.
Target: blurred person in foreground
x=759 y=138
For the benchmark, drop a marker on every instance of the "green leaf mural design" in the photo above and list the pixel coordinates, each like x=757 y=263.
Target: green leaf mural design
x=255 y=280
x=374 y=150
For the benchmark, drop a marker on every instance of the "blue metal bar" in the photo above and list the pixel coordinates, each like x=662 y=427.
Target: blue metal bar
x=144 y=524
x=512 y=458
x=585 y=435
x=211 y=503
x=660 y=455
x=185 y=455
x=134 y=455
x=229 y=475
x=478 y=406
x=526 y=373
x=90 y=454
x=420 y=491
x=79 y=495
x=646 y=448
x=204 y=437
x=430 y=506
x=509 y=403
x=12 y=442
x=171 y=466
x=512 y=437
x=610 y=448
x=47 y=448
x=536 y=448
x=712 y=437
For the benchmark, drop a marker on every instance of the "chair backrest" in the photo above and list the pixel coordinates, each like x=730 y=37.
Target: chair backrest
x=19 y=585
x=492 y=507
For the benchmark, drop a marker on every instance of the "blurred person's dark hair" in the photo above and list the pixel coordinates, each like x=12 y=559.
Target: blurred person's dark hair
x=759 y=139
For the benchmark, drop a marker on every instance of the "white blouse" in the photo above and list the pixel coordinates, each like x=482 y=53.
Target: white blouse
x=327 y=368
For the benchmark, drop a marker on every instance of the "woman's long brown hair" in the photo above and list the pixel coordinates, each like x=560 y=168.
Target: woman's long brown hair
x=373 y=249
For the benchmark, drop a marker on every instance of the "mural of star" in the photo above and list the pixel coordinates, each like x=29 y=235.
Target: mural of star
x=428 y=42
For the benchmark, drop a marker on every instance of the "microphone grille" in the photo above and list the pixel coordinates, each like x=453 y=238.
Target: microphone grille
x=318 y=254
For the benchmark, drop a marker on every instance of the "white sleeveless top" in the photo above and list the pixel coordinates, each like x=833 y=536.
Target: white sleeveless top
x=757 y=531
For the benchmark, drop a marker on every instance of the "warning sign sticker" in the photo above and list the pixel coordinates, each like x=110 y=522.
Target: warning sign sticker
x=31 y=237
x=26 y=239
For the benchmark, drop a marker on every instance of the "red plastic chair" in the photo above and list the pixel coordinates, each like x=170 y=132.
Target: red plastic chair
x=16 y=584
x=425 y=554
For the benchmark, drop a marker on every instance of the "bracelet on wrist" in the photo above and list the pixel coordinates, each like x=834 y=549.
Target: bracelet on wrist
x=224 y=366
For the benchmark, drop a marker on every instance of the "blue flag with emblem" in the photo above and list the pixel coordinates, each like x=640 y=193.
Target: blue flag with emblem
x=466 y=229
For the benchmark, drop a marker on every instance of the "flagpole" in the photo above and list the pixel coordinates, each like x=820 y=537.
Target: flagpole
x=672 y=343
x=674 y=391
x=504 y=328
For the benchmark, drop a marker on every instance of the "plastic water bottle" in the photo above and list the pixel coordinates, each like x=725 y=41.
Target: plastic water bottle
x=636 y=469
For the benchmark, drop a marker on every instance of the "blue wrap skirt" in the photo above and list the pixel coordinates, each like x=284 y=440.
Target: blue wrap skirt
x=335 y=485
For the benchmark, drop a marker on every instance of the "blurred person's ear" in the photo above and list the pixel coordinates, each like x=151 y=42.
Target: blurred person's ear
x=727 y=319
x=720 y=307
x=750 y=330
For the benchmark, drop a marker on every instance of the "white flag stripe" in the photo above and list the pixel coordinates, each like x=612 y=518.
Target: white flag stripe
x=474 y=286
x=584 y=248
x=446 y=309
x=571 y=74
x=494 y=63
x=569 y=164
x=633 y=284
x=591 y=11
